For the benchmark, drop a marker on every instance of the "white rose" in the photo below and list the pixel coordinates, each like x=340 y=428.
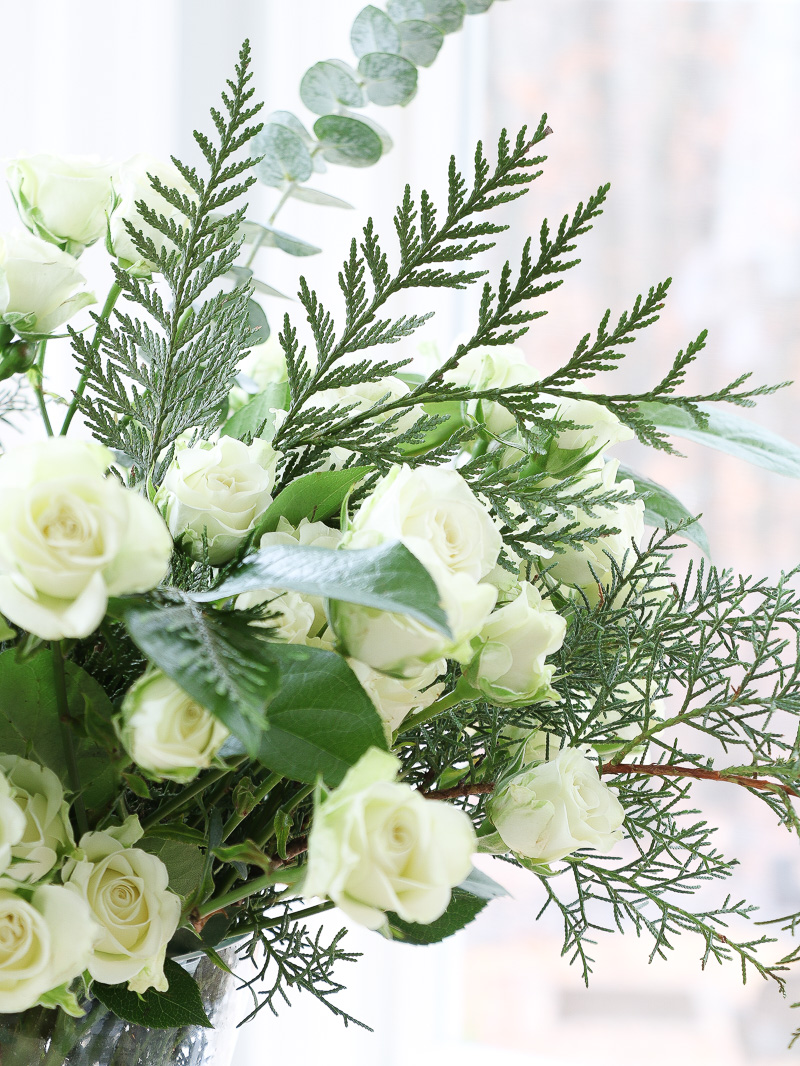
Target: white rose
x=264 y=365
x=70 y=538
x=40 y=286
x=376 y=845
x=539 y=745
x=589 y=565
x=39 y=796
x=46 y=939
x=493 y=368
x=550 y=810
x=12 y=823
x=128 y=895
x=400 y=645
x=365 y=394
x=395 y=698
x=434 y=512
x=603 y=428
x=222 y=489
x=510 y=666
x=291 y=616
x=165 y=732
x=132 y=184
x=65 y=200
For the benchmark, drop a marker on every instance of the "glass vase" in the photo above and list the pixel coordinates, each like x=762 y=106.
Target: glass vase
x=41 y=1037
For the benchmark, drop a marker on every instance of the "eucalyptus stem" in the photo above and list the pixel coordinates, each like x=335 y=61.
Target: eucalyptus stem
x=67 y=740
x=108 y=307
x=39 y=386
x=199 y=785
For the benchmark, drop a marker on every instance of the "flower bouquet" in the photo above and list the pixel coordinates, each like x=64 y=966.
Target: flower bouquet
x=313 y=630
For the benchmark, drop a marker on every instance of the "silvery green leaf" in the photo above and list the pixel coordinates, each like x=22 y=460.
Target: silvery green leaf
x=286 y=157
x=316 y=196
x=728 y=432
x=390 y=79
x=445 y=15
x=386 y=141
x=400 y=10
x=477 y=7
x=276 y=238
x=350 y=142
x=374 y=31
x=420 y=42
x=329 y=85
x=661 y=507
x=257 y=322
x=293 y=123
x=267 y=290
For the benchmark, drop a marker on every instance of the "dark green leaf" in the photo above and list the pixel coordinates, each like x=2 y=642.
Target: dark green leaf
x=420 y=42
x=348 y=141
x=285 y=156
x=181 y=1005
x=390 y=79
x=374 y=31
x=314 y=496
x=728 y=432
x=184 y=860
x=177 y=831
x=661 y=507
x=387 y=578
x=321 y=721
x=329 y=85
x=464 y=907
x=257 y=417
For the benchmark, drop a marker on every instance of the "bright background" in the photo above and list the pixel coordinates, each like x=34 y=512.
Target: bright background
x=689 y=109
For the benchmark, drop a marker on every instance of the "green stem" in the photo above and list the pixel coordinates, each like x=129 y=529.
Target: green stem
x=198 y=786
x=307 y=912
x=39 y=386
x=250 y=888
x=462 y=693
x=65 y=725
x=265 y=789
x=108 y=307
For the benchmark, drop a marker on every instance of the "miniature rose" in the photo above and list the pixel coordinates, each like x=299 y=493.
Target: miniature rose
x=40 y=286
x=128 y=895
x=394 y=697
x=70 y=538
x=601 y=427
x=510 y=667
x=495 y=367
x=39 y=795
x=218 y=490
x=165 y=732
x=12 y=823
x=377 y=845
x=63 y=199
x=552 y=809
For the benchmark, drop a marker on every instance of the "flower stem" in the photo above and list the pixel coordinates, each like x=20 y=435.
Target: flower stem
x=198 y=786
x=38 y=371
x=236 y=819
x=462 y=693
x=250 y=888
x=65 y=725
x=108 y=307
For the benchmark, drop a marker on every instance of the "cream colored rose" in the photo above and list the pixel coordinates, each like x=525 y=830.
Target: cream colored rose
x=434 y=512
x=128 y=895
x=394 y=697
x=40 y=286
x=46 y=939
x=550 y=810
x=510 y=667
x=602 y=429
x=493 y=368
x=70 y=538
x=221 y=489
x=165 y=731
x=132 y=185
x=12 y=823
x=377 y=845
x=363 y=395
x=63 y=199
x=586 y=566
x=48 y=836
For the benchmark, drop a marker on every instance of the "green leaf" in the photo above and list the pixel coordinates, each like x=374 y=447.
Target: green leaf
x=293 y=123
x=314 y=496
x=285 y=156
x=29 y=722
x=386 y=578
x=178 y=831
x=329 y=85
x=400 y=10
x=181 y=1005
x=276 y=238
x=465 y=905
x=661 y=507
x=257 y=417
x=269 y=290
x=374 y=31
x=727 y=432
x=184 y=860
x=476 y=7
x=390 y=79
x=383 y=134
x=257 y=322
x=321 y=721
x=479 y=884
x=420 y=42
x=445 y=15
x=347 y=141
x=315 y=196
x=218 y=657
x=6 y=632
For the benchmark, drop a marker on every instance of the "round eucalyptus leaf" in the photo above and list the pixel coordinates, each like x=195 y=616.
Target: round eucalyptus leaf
x=390 y=79
x=291 y=122
x=374 y=31
x=316 y=196
x=386 y=141
x=400 y=10
x=477 y=7
x=286 y=158
x=350 y=142
x=445 y=15
x=329 y=85
x=420 y=42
